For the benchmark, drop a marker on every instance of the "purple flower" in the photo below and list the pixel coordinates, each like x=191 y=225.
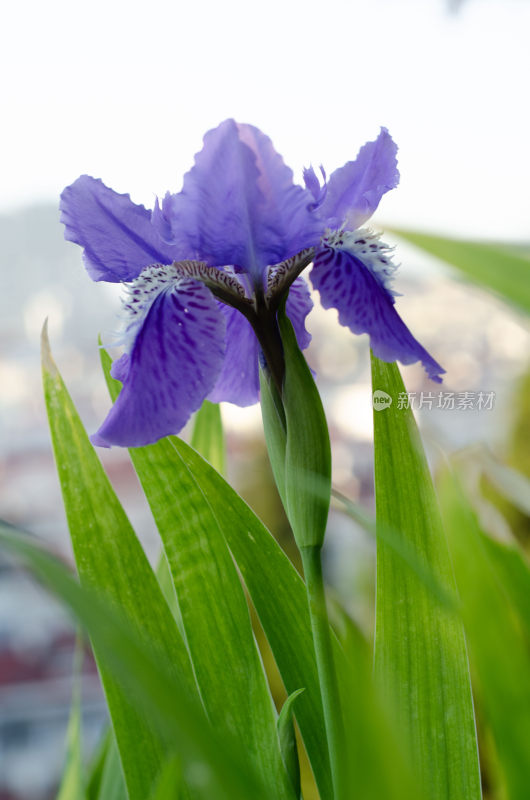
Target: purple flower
x=206 y=271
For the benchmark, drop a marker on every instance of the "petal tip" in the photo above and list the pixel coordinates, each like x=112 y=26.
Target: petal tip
x=98 y=440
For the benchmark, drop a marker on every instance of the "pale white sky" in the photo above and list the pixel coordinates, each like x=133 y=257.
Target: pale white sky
x=124 y=90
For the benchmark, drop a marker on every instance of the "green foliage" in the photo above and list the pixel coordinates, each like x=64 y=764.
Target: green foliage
x=212 y=764
x=274 y=425
x=169 y=781
x=494 y=584
x=168 y=471
x=191 y=710
x=376 y=760
x=111 y=560
x=279 y=597
x=213 y=608
x=72 y=783
x=208 y=438
x=298 y=442
x=420 y=652
x=492 y=266
x=287 y=738
x=307 y=448
x=112 y=784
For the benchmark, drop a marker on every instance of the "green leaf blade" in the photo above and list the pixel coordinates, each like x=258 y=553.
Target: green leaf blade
x=493 y=581
x=213 y=764
x=208 y=437
x=283 y=612
x=420 y=651
x=110 y=559
x=297 y=439
x=72 y=782
x=287 y=738
x=273 y=417
x=377 y=763
x=279 y=597
x=213 y=608
x=489 y=265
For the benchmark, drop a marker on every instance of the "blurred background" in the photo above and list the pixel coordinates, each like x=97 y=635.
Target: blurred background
x=125 y=91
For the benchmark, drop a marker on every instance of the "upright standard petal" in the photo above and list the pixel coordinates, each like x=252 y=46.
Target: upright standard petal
x=238 y=204
x=174 y=362
x=365 y=304
x=117 y=235
x=354 y=190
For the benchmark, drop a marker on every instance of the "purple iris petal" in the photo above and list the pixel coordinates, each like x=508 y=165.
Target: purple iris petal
x=238 y=204
x=117 y=235
x=366 y=306
x=173 y=364
x=238 y=207
x=354 y=190
x=239 y=379
x=312 y=184
x=298 y=306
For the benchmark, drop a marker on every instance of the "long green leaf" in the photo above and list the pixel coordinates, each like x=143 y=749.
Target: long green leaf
x=213 y=607
x=112 y=786
x=493 y=581
x=287 y=737
x=213 y=762
x=307 y=448
x=72 y=782
x=279 y=597
x=376 y=760
x=420 y=652
x=400 y=546
x=298 y=442
x=110 y=558
x=169 y=781
x=208 y=438
x=274 y=426
x=96 y=766
x=511 y=566
x=489 y=265
x=276 y=589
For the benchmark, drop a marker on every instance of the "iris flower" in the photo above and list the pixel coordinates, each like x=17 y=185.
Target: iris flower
x=205 y=272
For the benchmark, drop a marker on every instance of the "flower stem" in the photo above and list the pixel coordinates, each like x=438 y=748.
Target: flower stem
x=312 y=563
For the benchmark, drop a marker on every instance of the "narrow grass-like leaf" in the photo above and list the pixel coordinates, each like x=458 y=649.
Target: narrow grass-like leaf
x=212 y=760
x=112 y=786
x=96 y=766
x=376 y=760
x=490 y=579
x=275 y=430
x=110 y=558
x=72 y=782
x=287 y=738
x=279 y=597
x=420 y=652
x=489 y=265
x=169 y=781
x=401 y=548
x=213 y=607
x=276 y=589
x=307 y=449
x=513 y=571
x=305 y=487
x=208 y=438
x=512 y=484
